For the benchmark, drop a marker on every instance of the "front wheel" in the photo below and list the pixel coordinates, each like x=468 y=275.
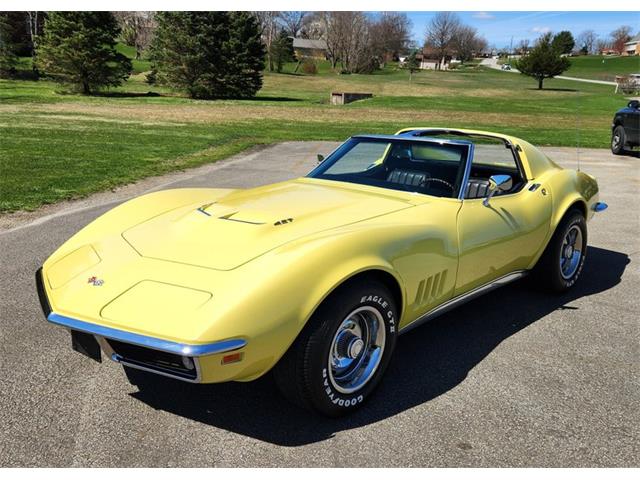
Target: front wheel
x=561 y=263
x=618 y=140
x=340 y=356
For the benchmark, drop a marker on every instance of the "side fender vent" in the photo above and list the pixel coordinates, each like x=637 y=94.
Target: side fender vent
x=430 y=288
x=284 y=221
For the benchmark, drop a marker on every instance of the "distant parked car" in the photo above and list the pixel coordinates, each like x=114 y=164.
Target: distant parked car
x=625 y=128
x=506 y=66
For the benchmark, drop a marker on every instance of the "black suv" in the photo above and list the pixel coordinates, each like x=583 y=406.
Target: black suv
x=625 y=129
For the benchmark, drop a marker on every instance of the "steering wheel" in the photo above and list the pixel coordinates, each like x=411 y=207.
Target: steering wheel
x=434 y=179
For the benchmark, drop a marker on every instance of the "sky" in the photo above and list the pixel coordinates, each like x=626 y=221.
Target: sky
x=499 y=27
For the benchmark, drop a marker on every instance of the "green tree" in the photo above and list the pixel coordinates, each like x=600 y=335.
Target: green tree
x=209 y=54
x=412 y=64
x=79 y=48
x=8 y=57
x=543 y=61
x=282 y=50
x=563 y=42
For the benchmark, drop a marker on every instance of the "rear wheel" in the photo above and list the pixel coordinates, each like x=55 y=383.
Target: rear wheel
x=618 y=140
x=340 y=356
x=561 y=263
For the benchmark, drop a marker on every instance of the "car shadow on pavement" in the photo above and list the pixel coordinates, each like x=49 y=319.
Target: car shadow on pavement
x=427 y=363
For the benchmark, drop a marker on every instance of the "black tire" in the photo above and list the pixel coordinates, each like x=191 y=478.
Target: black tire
x=618 y=140
x=548 y=271
x=303 y=374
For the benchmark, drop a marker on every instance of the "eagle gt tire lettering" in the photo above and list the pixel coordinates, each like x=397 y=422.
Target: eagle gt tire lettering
x=340 y=356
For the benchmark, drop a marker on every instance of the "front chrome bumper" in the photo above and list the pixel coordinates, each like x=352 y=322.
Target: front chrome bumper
x=189 y=350
x=141 y=351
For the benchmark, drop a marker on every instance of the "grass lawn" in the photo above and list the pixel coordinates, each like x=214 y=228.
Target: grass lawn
x=600 y=67
x=139 y=66
x=57 y=145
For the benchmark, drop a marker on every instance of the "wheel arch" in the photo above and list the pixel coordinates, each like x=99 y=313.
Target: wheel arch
x=575 y=203
x=570 y=190
x=376 y=274
x=371 y=272
x=578 y=204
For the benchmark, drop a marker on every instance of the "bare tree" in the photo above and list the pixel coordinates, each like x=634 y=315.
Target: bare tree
x=137 y=29
x=523 y=47
x=390 y=35
x=269 y=22
x=467 y=43
x=34 y=27
x=333 y=32
x=293 y=22
x=619 y=37
x=313 y=26
x=587 y=40
x=602 y=45
x=440 y=34
x=348 y=41
x=357 y=54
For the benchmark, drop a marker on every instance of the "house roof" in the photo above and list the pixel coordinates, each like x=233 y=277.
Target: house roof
x=430 y=56
x=309 y=43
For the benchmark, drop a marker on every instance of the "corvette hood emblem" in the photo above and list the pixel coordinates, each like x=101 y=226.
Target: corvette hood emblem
x=95 y=281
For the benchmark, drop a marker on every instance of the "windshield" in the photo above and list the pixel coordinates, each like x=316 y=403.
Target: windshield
x=421 y=166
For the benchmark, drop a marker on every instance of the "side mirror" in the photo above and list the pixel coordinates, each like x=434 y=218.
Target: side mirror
x=498 y=183
x=320 y=158
x=635 y=104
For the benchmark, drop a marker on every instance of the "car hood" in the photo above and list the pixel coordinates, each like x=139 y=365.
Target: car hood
x=232 y=230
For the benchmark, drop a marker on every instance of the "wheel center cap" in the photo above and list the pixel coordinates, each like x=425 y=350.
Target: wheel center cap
x=568 y=252
x=355 y=347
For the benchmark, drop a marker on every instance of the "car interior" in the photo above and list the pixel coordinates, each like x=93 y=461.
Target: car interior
x=432 y=169
x=436 y=174
x=492 y=156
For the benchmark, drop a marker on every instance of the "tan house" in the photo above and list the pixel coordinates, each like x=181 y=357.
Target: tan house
x=308 y=48
x=632 y=47
x=430 y=60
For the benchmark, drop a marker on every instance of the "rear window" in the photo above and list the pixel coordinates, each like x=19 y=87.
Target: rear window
x=488 y=152
x=435 y=152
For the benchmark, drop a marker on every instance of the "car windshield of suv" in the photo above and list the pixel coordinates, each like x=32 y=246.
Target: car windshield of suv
x=421 y=166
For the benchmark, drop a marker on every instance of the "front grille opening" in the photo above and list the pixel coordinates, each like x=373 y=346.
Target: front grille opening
x=161 y=362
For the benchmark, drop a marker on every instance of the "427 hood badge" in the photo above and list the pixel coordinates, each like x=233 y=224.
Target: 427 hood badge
x=95 y=281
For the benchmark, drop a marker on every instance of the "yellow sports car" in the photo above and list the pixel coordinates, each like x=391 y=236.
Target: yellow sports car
x=314 y=278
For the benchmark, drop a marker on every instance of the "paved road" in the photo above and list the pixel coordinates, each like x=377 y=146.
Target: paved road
x=493 y=63
x=515 y=378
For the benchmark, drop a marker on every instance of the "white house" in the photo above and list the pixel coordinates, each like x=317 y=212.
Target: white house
x=632 y=47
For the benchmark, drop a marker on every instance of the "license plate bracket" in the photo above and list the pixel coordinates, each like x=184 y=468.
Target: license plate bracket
x=86 y=344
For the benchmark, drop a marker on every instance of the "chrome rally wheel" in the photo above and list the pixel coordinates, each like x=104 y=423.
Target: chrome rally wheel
x=571 y=252
x=342 y=353
x=561 y=263
x=356 y=349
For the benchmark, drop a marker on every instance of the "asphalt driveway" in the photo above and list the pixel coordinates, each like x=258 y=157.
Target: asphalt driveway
x=515 y=378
